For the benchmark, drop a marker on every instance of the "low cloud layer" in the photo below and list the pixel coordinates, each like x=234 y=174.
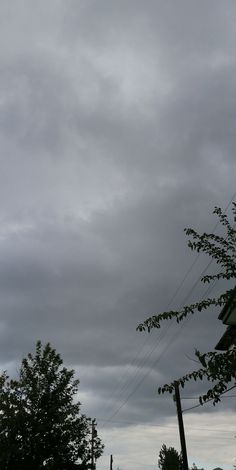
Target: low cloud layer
x=117 y=130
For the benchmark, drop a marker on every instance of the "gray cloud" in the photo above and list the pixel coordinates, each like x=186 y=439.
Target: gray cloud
x=117 y=130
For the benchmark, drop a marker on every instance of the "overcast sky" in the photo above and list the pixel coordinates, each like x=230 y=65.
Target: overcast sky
x=117 y=129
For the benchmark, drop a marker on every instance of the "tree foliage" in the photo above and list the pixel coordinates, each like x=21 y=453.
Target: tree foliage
x=169 y=459
x=218 y=368
x=194 y=467
x=40 y=422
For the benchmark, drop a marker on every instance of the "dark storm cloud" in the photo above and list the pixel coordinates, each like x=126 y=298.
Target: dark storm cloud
x=117 y=130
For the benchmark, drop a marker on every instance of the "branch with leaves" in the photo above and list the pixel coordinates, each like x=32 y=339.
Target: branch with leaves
x=218 y=368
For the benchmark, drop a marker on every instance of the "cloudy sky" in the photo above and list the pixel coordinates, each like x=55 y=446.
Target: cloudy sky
x=117 y=130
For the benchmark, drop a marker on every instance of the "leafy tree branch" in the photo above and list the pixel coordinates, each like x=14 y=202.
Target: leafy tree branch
x=218 y=368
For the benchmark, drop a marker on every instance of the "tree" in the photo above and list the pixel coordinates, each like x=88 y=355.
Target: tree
x=40 y=422
x=218 y=368
x=169 y=459
x=194 y=467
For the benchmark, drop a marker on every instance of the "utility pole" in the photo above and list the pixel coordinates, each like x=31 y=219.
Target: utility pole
x=94 y=434
x=111 y=462
x=181 y=427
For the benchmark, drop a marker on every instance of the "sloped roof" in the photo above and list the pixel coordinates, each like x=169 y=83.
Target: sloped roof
x=228 y=338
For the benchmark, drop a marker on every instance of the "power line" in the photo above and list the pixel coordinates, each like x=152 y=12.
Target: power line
x=148 y=354
x=167 y=426
x=138 y=384
x=195 y=260
x=156 y=361
x=207 y=401
x=196 y=398
x=140 y=367
x=174 y=428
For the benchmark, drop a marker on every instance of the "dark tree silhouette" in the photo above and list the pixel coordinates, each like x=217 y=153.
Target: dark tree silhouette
x=169 y=459
x=40 y=422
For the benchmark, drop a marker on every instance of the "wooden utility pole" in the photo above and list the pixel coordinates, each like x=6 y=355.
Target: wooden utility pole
x=181 y=427
x=94 y=434
x=111 y=462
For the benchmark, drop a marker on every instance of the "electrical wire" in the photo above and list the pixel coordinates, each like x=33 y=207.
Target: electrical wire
x=196 y=398
x=156 y=362
x=167 y=426
x=207 y=401
x=140 y=367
